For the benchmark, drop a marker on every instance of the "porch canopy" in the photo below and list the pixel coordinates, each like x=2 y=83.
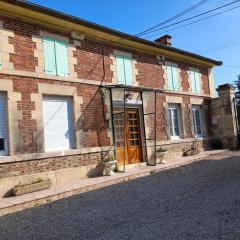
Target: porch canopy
x=125 y=96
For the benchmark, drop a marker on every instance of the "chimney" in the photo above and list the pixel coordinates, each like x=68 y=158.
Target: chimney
x=165 y=40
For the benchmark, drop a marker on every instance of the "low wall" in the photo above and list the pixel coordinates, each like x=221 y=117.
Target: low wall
x=60 y=167
x=175 y=148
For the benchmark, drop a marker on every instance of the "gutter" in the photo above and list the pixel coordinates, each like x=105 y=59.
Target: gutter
x=88 y=24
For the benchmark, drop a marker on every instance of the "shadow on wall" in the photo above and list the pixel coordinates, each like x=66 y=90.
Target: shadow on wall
x=92 y=124
x=97 y=171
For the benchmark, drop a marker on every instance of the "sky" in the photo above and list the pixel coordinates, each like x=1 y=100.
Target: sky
x=134 y=16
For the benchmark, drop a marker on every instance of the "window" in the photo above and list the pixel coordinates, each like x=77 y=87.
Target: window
x=195 y=81
x=58 y=123
x=124 y=69
x=174 y=120
x=3 y=125
x=2 y=144
x=56 y=57
x=196 y=112
x=172 y=77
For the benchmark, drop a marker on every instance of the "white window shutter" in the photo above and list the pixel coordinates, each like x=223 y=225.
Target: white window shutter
x=58 y=123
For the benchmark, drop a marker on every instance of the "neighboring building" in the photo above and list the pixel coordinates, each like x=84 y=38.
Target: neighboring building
x=62 y=88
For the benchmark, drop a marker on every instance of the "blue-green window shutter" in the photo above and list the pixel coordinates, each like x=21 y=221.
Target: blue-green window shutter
x=49 y=55
x=120 y=69
x=170 y=78
x=197 y=82
x=192 y=76
x=128 y=70
x=62 y=58
x=175 y=78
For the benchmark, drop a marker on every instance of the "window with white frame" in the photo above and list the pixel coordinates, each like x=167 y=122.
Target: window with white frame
x=172 y=77
x=195 y=80
x=174 y=120
x=196 y=112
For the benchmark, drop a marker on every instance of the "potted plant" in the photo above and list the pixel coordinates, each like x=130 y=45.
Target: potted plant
x=161 y=155
x=109 y=163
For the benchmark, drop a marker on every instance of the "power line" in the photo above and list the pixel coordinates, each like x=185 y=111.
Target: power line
x=199 y=20
x=222 y=48
x=223 y=44
x=174 y=17
x=230 y=66
x=190 y=18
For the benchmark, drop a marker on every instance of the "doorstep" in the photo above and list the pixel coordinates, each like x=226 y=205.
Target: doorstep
x=14 y=204
x=132 y=166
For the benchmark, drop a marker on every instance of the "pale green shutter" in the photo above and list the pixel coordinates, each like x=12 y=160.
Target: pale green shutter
x=193 y=83
x=128 y=70
x=120 y=69
x=197 y=82
x=170 y=78
x=175 y=78
x=62 y=58
x=49 y=55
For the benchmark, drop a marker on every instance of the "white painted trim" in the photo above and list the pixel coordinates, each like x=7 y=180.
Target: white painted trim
x=198 y=107
x=179 y=115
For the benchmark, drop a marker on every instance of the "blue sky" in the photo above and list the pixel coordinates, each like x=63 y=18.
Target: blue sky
x=134 y=16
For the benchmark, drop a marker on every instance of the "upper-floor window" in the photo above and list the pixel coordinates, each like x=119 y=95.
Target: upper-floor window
x=195 y=80
x=173 y=77
x=174 y=120
x=196 y=112
x=124 y=69
x=56 y=57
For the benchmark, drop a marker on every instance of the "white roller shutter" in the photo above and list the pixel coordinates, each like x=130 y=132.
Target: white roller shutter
x=3 y=125
x=58 y=123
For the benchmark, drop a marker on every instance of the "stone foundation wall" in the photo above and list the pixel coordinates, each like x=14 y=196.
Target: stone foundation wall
x=46 y=164
x=175 y=149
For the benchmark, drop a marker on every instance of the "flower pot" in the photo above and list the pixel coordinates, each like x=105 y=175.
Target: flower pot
x=161 y=157
x=109 y=168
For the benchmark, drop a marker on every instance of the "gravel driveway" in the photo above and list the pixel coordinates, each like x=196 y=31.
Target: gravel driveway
x=198 y=201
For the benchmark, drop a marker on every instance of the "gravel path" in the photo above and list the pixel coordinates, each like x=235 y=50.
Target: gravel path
x=198 y=201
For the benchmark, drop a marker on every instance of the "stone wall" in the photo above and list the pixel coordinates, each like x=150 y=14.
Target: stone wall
x=223 y=115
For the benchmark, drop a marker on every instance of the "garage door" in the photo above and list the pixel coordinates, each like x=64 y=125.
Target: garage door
x=3 y=125
x=58 y=123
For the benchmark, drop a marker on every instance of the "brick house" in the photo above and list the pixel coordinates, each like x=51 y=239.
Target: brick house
x=70 y=88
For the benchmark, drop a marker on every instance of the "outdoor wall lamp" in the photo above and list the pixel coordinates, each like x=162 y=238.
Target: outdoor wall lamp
x=128 y=96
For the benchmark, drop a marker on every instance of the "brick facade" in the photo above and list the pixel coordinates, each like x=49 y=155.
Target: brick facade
x=93 y=69
x=49 y=164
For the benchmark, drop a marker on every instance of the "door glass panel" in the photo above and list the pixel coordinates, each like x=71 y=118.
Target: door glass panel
x=133 y=129
x=119 y=129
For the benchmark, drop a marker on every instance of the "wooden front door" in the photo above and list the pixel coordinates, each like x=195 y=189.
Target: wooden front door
x=128 y=138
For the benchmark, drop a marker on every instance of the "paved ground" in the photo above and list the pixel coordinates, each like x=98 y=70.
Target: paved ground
x=198 y=201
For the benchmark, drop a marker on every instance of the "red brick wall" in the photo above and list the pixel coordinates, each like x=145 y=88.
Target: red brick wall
x=205 y=80
x=50 y=164
x=90 y=61
x=187 y=117
x=150 y=73
x=27 y=125
x=93 y=122
x=90 y=67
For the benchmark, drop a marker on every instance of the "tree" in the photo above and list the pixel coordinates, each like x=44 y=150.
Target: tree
x=237 y=93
